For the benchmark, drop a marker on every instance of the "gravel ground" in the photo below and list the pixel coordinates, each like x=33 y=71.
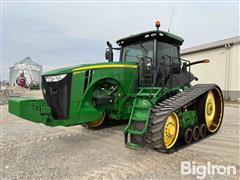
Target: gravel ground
x=35 y=151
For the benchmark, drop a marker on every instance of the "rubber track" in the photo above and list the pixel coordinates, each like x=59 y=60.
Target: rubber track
x=161 y=111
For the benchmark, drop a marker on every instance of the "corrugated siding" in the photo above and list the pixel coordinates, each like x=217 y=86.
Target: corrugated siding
x=223 y=68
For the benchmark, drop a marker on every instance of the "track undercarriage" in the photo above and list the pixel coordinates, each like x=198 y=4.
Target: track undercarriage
x=164 y=114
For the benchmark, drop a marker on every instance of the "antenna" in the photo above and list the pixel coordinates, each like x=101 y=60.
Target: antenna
x=171 y=20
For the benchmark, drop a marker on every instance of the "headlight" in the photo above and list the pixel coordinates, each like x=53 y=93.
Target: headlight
x=55 y=78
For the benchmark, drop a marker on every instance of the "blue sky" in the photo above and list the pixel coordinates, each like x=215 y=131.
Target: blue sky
x=63 y=34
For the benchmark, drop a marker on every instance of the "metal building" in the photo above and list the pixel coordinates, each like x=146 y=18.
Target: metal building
x=31 y=69
x=223 y=68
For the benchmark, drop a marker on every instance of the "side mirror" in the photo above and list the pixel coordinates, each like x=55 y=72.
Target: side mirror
x=109 y=52
x=108 y=55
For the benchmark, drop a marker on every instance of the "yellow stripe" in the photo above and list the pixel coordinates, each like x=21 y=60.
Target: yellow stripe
x=105 y=66
x=78 y=72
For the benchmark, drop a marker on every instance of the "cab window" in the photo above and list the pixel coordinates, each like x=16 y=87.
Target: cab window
x=132 y=53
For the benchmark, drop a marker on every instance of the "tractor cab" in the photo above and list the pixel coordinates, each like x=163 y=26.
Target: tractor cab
x=157 y=54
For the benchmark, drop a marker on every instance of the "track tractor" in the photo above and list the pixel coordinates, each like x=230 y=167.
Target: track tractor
x=149 y=88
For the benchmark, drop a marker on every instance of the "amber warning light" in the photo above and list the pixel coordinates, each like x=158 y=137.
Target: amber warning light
x=157 y=24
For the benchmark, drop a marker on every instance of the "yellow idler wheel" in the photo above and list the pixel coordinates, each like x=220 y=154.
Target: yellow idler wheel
x=213 y=110
x=97 y=123
x=171 y=130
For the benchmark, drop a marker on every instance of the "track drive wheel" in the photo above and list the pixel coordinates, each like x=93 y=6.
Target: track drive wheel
x=171 y=130
x=211 y=109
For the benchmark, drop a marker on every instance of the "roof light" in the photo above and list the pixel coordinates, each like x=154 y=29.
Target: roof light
x=157 y=24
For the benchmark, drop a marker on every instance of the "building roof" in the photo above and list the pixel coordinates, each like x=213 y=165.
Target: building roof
x=27 y=60
x=213 y=45
x=161 y=35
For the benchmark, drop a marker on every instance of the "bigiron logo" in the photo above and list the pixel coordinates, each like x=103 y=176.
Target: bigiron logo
x=201 y=171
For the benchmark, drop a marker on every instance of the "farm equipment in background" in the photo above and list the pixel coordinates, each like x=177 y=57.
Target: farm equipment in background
x=33 y=83
x=149 y=87
x=21 y=80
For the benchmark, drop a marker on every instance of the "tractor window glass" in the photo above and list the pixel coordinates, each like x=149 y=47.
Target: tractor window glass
x=166 y=49
x=132 y=53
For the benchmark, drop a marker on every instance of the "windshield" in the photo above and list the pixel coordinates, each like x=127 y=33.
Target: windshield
x=132 y=53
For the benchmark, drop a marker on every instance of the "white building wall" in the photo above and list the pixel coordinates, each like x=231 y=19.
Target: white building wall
x=234 y=68
x=223 y=69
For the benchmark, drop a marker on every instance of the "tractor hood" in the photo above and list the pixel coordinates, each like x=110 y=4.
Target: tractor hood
x=81 y=67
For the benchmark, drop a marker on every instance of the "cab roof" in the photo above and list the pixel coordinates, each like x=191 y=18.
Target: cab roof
x=155 y=34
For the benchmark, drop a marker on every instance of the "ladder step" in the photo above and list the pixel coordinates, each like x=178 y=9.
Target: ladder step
x=135 y=132
x=133 y=145
x=144 y=94
x=134 y=118
x=141 y=106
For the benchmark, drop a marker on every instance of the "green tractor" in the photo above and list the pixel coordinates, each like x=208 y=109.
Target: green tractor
x=149 y=88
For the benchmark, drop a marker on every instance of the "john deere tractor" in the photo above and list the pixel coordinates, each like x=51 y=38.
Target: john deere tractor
x=149 y=88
